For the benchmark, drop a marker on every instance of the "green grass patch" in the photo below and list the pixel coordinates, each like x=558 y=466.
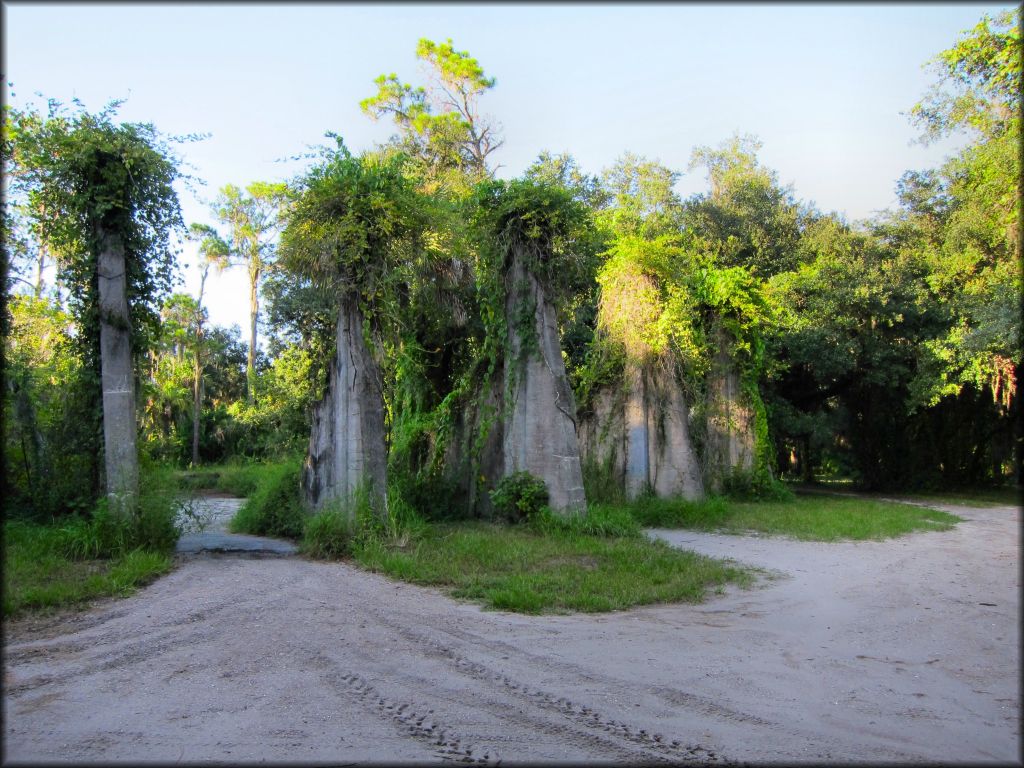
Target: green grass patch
x=817 y=517
x=42 y=572
x=522 y=569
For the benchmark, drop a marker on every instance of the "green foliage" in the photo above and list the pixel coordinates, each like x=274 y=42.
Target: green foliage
x=275 y=506
x=642 y=201
x=600 y=520
x=353 y=527
x=541 y=222
x=979 y=81
x=47 y=408
x=330 y=534
x=519 y=497
x=440 y=125
x=748 y=219
x=353 y=222
x=79 y=558
x=153 y=525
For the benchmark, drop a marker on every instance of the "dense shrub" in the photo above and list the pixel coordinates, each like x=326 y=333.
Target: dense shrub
x=755 y=486
x=153 y=527
x=519 y=496
x=329 y=534
x=275 y=507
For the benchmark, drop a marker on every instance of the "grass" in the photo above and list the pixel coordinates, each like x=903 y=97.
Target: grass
x=972 y=497
x=816 y=517
x=521 y=569
x=41 y=573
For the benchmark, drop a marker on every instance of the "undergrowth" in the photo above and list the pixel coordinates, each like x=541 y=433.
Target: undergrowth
x=73 y=560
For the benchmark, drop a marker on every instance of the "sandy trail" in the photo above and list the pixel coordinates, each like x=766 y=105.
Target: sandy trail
x=905 y=650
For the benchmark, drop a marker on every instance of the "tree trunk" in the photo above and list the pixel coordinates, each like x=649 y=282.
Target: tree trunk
x=346 y=446
x=254 y=308
x=118 y=384
x=197 y=377
x=540 y=427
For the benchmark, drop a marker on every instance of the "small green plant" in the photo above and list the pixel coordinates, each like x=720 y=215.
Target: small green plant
x=519 y=497
x=275 y=507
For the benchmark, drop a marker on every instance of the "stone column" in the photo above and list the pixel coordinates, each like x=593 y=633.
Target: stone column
x=346 y=444
x=121 y=459
x=540 y=424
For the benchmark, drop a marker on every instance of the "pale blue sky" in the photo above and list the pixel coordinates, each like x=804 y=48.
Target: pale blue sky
x=822 y=86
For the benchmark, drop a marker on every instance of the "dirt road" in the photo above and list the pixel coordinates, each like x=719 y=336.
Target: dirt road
x=904 y=650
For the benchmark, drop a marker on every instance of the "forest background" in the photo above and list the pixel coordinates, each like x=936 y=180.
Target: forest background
x=887 y=348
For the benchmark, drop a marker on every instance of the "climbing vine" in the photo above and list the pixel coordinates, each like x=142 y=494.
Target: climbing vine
x=85 y=177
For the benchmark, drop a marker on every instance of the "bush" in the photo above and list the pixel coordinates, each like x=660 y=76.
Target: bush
x=652 y=512
x=275 y=507
x=751 y=486
x=329 y=534
x=519 y=496
x=153 y=527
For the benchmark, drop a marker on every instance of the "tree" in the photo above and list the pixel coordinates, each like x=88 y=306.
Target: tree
x=748 y=219
x=253 y=216
x=641 y=198
x=441 y=125
x=102 y=199
x=215 y=252
x=978 y=82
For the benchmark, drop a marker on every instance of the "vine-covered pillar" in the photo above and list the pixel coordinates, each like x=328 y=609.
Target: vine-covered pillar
x=540 y=412
x=731 y=441
x=121 y=459
x=347 y=451
x=657 y=454
x=673 y=466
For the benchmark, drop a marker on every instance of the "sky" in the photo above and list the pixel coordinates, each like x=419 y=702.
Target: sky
x=825 y=87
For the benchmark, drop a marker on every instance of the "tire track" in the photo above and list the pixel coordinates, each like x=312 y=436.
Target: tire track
x=654 y=743
x=428 y=727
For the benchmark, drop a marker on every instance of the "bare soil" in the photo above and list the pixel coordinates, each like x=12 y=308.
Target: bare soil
x=905 y=650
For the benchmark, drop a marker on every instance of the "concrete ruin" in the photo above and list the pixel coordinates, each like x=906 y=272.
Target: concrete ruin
x=347 y=451
x=640 y=432
x=729 y=446
x=539 y=429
